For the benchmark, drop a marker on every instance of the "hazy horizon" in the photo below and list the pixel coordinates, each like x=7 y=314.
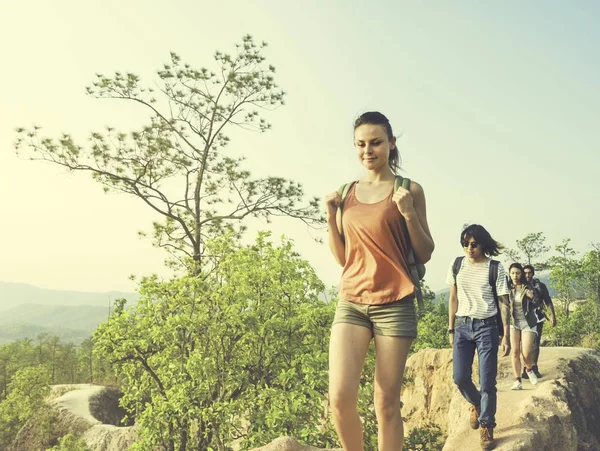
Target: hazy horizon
x=490 y=99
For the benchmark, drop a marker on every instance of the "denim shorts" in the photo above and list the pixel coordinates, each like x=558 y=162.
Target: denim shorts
x=522 y=326
x=396 y=319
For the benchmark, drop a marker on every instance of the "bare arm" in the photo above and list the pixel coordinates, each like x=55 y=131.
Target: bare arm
x=418 y=228
x=452 y=307
x=504 y=304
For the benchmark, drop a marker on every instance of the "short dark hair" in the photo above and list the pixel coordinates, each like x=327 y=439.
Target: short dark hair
x=377 y=118
x=530 y=267
x=490 y=247
x=520 y=268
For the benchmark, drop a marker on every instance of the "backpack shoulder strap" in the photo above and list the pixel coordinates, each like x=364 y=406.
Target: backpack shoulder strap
x=493 y=276
x=411 y=259
x=404 y=183
x=401 y=182
x=345 y=189
x=456 y=267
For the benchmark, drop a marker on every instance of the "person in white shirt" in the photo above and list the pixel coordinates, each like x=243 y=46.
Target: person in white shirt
x=473 y=310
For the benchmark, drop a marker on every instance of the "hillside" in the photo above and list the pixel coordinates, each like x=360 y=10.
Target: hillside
x=16 y=294
x=27 y=311
x=72 y=323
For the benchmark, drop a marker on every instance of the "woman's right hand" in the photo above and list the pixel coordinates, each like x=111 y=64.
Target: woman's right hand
x=333 y=202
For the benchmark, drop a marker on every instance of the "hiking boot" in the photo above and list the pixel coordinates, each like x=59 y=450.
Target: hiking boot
x=532 y=377
x=474 y=419
x=536 y=371
x=487 y=438
x=517 y=386
x=524 y=375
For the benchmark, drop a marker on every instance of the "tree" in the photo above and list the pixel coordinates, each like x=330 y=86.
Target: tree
x=253 y=365
x=512 y=255
x=565 y=274
x=176 y=163
x=533 y=246
x=27 y=391
x=590 y=265
x=530 y=250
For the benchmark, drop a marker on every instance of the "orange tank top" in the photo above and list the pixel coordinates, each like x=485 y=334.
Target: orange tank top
x=376 y=271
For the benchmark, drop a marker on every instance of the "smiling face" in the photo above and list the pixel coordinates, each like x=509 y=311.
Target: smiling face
x=528 y=274
x=515 y=276
x=373 y=146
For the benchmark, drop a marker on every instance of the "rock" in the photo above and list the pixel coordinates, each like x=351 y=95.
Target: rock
x=289 y=444
x=561 y=413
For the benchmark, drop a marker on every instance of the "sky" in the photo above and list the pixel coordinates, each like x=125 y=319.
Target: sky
x=497 y=105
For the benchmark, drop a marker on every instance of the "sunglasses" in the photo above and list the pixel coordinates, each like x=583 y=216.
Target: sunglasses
x=471 y=245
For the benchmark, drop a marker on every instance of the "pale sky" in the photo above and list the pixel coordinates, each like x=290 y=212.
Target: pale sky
x=491 y=100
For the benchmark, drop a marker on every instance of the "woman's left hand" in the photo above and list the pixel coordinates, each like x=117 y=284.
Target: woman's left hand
x=529 y=293
x=404 y=201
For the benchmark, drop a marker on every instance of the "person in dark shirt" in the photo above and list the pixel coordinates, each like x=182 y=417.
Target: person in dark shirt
x=546 y=304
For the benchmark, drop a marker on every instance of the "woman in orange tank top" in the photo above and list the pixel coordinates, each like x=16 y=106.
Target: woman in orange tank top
x=376 y=296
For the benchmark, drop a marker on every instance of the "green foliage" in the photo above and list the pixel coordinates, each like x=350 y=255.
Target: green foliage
x=590 y=267
x=70 y=442
x=530 y=251
x=580 y=328
x=565 y=274
x=183 y=147
x=432 y=327
x=238 y=353
x=26 y=393
x=533 y=246
x=66 y=364
x=428 y=438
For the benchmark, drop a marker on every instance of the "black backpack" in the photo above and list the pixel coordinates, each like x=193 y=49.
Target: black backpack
x=493 y=277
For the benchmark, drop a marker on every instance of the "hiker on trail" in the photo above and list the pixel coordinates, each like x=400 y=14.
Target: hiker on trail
x=544 y=295
x=478 y=316
x=375 y=226
x=523 y=330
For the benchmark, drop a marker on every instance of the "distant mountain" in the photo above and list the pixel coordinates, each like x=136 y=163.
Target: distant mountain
x=15 y=332
x=27 y=310
x=16 y=294
x=72 y=323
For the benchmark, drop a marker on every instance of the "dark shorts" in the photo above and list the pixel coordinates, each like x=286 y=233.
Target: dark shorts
x=396 y=319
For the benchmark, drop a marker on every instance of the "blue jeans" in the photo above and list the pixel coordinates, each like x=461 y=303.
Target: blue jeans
x=480 y=334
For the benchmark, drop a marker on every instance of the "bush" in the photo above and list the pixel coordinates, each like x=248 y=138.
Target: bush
x=69 y=443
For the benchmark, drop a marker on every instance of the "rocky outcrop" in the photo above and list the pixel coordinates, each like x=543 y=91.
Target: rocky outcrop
x=98 y=436
x=561 y=413
x=289 y=444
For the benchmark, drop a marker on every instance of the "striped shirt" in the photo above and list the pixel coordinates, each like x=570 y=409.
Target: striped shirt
x=475 y=297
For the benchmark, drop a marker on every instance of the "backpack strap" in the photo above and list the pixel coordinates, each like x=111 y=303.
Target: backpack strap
x=493 y=276
x=344 y=190
x=456 y=267
x=411 y=260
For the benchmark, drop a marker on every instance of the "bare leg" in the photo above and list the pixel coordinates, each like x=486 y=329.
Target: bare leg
x=515 y=353
x=528 y=346
x=347 y=350
x=390 y=361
